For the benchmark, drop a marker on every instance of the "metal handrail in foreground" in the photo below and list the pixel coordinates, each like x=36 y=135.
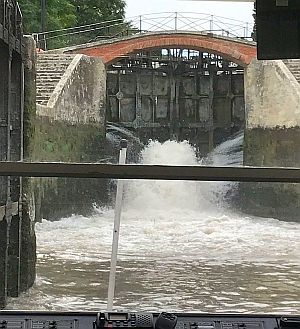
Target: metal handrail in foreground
x=159 y=172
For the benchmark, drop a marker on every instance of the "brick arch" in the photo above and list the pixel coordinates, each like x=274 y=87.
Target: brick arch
x=238 y=51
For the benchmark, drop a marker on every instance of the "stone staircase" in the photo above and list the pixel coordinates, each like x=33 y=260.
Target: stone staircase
x=294 y=66
x=50 y=69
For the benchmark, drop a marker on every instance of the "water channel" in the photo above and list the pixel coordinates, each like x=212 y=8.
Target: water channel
x=182 y=248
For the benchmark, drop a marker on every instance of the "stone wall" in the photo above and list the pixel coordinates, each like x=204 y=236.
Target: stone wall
x=57 y=141
x=71 y=128
x=272 y=137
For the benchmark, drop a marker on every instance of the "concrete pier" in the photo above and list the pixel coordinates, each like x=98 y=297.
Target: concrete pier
x=272 y=136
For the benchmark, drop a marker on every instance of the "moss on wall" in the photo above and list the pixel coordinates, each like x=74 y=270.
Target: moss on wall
x=57 y=141
x=61 y=141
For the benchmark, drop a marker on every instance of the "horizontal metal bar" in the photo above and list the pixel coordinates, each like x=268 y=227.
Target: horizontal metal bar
x=194 y=173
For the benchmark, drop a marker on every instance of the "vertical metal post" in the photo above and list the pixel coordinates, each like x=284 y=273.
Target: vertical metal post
x=43 y=22
x=211 y=109
x=211 y=23
x=140 y=23
x=172 y=108
x=138 y=103
x=119 y=98
x=116 y=231
x=247 y=30
x=176 y=19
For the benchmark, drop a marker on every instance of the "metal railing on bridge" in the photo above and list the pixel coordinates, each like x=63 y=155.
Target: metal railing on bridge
x=158 y=22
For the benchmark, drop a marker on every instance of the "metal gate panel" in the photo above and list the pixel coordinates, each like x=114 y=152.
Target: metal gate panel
x=127 y=85
x=188 y=86
x=162 y=108
x=238 y=108
x=147 y=108
x=222 y=112
x=127 y=113
x=204 y=110
x=146 y=84
x=161 y=86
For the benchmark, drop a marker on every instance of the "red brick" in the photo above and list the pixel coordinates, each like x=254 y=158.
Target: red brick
x=239 y=52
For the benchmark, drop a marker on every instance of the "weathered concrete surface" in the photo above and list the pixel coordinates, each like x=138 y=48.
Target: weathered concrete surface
x=272 y=137
x=80 y=95
x=272 y=96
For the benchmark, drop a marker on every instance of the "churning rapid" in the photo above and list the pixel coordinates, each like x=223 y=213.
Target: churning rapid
x=182 y=248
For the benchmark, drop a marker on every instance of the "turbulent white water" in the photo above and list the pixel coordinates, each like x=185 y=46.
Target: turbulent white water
x=180 y=249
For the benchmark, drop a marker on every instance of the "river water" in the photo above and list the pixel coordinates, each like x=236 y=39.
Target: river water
x=181 y=249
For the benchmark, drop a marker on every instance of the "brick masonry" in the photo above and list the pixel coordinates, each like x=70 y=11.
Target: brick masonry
x=236 y=50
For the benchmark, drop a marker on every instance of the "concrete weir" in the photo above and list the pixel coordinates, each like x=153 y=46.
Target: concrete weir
x=272 y=135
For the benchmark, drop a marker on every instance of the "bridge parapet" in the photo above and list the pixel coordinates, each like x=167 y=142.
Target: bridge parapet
x=137 y=25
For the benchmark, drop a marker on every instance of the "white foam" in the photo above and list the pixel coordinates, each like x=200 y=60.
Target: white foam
x=173 y=220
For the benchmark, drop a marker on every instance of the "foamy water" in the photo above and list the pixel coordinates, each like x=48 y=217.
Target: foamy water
x=180 y=249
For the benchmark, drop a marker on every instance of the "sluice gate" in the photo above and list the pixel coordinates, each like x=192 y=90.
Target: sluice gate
x=177 y=94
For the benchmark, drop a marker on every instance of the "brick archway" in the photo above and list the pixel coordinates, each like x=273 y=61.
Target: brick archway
x=236 y=50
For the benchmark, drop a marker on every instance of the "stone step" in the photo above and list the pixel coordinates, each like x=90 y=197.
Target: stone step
x=50 y=77
x=50 y=69
x=42 y=102
x=45 y=85
x=41 y=91
x=41 y=98
x=294 y=66
x=54 y=59
x=54 y=55
x=56 y=62
x=59 y=62
x=49 y=74
x=44 y=93
x=52 y=65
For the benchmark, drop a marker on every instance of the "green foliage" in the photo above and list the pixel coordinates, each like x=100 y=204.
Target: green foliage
x=95 y=11
x=31 y=15
x=63 y=14
x=60 y=14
